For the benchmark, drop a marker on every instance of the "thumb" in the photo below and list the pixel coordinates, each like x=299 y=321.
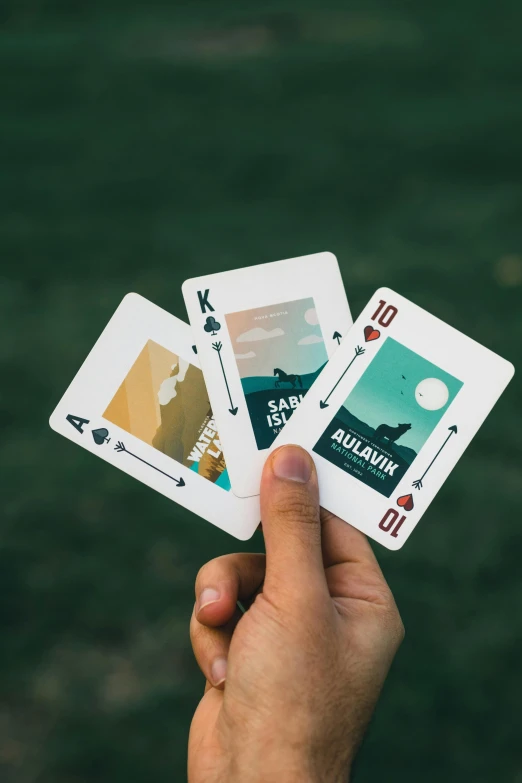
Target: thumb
x=291 y=524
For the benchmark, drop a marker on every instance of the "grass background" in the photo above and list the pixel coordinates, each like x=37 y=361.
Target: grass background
x=145 y=143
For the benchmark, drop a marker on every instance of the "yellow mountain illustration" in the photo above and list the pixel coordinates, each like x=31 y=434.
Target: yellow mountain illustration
x=163 y=401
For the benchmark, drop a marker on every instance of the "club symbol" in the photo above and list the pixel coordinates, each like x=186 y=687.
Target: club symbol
x=100 y=436
x=212 y=326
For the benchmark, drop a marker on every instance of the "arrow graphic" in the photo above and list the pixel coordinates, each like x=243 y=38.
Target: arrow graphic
x=338 y=337
x=217 y=347
x=119 y=447
x=358 y=352
x=418 y=482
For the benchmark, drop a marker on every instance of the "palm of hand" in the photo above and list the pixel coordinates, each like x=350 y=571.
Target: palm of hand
x=305 y=663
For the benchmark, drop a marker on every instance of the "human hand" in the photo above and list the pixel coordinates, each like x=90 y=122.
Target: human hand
x=292 y=683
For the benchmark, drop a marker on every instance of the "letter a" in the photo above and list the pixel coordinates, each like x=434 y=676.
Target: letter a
x=203 y=301
x=77 y=422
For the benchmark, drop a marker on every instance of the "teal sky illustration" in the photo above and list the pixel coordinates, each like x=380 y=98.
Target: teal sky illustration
x=285 y=335
x=377 y=399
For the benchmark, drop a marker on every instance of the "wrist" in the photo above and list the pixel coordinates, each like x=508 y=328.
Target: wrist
x=286 y=767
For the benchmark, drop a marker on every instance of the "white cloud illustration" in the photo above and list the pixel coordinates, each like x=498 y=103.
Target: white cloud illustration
x=310 y=339
x=311 y=317
x=167 y=390
x=254 y=335
x=249 y=355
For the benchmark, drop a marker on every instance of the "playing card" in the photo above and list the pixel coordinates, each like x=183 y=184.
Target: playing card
x=263 y=335
x=392 y=413
x=139 y=401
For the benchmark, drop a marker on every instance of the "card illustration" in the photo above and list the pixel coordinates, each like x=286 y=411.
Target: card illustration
x=163 y=401
x=279 y=351
x=392 y=410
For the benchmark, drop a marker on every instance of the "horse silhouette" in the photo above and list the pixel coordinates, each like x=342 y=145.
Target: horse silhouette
x=282 y=377
x=390 y=433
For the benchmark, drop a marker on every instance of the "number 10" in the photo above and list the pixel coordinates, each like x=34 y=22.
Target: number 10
x=388 y=315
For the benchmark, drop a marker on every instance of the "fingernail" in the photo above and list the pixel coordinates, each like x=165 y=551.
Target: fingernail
x=207 y=596
x=218 y=671
x=293 y=464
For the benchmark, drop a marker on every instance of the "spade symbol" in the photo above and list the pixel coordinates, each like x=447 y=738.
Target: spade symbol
x=100 y=436
x=212 y=326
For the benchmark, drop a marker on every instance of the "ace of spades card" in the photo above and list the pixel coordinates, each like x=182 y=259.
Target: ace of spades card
x=139 y=402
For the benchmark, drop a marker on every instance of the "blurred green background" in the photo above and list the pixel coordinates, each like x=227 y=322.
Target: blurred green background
x=143 y=144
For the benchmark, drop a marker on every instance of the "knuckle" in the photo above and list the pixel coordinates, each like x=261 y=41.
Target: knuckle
x=400 y=629
x=390 y=618
x=394 y=623
x=297 y=507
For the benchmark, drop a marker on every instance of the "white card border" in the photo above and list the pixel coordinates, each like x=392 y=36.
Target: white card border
x=135 y=321
x=473 y=364
x=316 y=276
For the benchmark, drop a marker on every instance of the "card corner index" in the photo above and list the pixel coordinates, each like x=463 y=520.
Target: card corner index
x=198 y=287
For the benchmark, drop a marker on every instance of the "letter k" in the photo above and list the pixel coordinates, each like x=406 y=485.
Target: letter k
x=203 y=301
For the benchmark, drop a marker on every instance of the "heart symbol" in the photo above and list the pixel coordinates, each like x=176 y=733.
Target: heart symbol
x=371 y=334
x=405 y=502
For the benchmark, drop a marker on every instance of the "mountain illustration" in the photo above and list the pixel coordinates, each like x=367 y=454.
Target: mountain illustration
x=346 y=418
x=263 y=382
x=259 y=391
x=182 y=420
x=331 y=450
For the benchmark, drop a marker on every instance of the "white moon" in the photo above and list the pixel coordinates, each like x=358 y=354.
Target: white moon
x=311 y=317
x=432 y=394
